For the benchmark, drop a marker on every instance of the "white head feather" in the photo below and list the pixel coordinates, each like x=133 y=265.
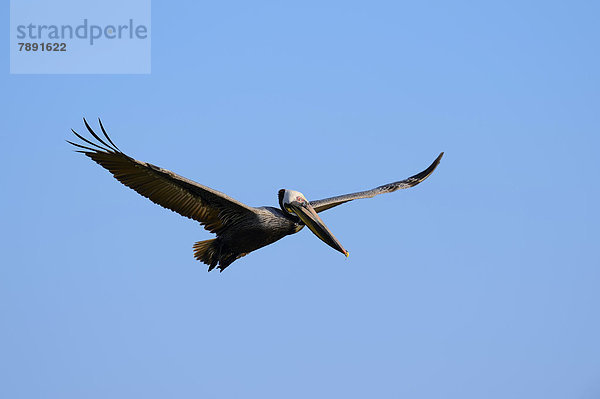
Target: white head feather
x=291 y=196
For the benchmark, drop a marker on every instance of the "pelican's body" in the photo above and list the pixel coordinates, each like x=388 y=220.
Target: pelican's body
x=253 y=231
x=240 y=228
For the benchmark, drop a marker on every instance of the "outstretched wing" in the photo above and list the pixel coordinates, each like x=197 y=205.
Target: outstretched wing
x=324 y=204
x=213 y=209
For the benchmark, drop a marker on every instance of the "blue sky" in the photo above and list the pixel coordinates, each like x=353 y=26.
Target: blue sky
x=480 y=282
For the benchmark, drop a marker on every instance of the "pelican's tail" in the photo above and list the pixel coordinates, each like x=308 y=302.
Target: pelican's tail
x=212 y=253
x=207 y=252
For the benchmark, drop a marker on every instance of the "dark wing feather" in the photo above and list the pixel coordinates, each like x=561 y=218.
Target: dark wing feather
x=213 y=209
x=324 y=204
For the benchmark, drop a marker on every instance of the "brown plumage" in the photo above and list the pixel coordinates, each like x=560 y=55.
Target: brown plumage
x=240 y=228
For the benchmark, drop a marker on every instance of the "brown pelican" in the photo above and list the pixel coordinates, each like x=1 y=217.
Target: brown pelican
x=240 y=228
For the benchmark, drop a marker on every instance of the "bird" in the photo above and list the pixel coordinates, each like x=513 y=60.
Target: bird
x=239 y=228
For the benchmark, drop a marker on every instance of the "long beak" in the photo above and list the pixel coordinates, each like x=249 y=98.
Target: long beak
x=310 y=218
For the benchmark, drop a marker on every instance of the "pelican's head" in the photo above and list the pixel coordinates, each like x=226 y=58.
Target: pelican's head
x=294 y=203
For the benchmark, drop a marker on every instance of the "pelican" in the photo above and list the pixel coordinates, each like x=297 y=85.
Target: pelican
x=240 y=228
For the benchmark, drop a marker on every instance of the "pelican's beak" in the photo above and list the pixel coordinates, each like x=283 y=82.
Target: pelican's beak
x=310 y=218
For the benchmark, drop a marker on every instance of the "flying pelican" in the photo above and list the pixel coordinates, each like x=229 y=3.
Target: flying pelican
x=240 y=228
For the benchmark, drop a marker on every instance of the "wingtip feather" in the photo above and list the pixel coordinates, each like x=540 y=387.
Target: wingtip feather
x=106 y=135
x=88 y=127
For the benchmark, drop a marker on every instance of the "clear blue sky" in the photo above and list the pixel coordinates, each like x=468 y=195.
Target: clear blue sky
x=482 y=282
